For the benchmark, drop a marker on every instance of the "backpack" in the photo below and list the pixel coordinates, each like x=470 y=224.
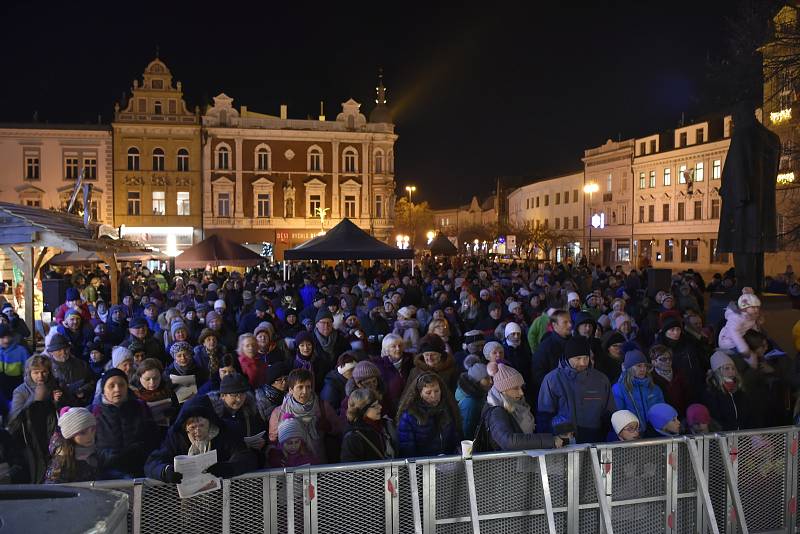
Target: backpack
x=482 y=441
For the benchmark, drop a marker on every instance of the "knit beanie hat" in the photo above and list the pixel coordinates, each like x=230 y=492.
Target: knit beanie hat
x=111 y=373
x=505 y=377
x=697 y=414
x=622 y=418
x=323 y=313
x=613 y=339
x=204 y=333
x=234 y=383
x=179 y=346
x=72 y=312
x=365 y=370
x=431 y=343
x=265 y=326
x=277 y=370
x=512 y=328
x=290 y=428
x=576 y=346
x=57 y=342
x=72 y=294
x=634 y=357
x=748 y=300
x=305 y=335
x=210 y=316
x=74 y=420
x=621 y=319
x=489 y=347
x=718 y=359
x=119 y=355
x=660 y=414
x=219 y=304
x=514 y=306
x=670 y=322
x=476 y=371
x=175 y=326
x=572 y=296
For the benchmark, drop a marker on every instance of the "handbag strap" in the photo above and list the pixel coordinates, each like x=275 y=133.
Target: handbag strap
x=372 y=445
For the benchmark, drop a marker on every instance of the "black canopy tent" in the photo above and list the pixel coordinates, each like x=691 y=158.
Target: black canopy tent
x=441 y=246
x=346 y=241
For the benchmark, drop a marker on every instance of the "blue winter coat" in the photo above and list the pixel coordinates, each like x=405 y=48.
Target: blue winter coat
x=425 y=439
x=583 y=398
x=644 y=395
x=470 y=399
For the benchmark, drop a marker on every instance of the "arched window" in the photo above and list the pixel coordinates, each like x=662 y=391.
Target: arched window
x=379 y=162
x=133 y=159
x=263 y=158
x=350 y=160
x=183 y=160
x=158 y=159
x=315 y=159
x=223 y=157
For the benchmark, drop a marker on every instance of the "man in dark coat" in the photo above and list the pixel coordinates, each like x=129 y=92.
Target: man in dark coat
x=747 y=222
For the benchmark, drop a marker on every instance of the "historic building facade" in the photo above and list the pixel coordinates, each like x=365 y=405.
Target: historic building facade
x=39 y=166
x=157 y=174
x=275 y=180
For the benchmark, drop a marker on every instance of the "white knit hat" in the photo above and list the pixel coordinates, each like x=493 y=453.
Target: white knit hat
x=290 y=428
x=511 y=328
x=748 y=300
x=720 y=358
x=514 y=306
x=219 y=303
x=622 y=418
x=573 y=296
x=119 y=355
x=75 y=420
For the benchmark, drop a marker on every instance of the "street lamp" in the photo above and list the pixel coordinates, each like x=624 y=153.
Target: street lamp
x=402 y=241
x=590 y=188
x=410 y=189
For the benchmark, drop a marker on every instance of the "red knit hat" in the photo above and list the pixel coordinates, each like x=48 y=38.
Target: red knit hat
x=697 y=414
x=505 y=377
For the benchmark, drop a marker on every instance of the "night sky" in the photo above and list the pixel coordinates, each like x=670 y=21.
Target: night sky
x=477 y=93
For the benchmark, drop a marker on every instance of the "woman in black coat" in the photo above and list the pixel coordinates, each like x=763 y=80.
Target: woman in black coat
x=126 y=432
x=727 y=403
x=369 y=435
x=198 y=430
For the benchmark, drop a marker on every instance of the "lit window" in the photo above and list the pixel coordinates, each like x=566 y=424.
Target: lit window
x=652 y=178
x=159 y=202
x=133 y=159
x=134 y=202
x=716 y=170
x=682 y=174
x=669 y=250
x=717 y=257
x=689 y=250
x=184 y=206
x=667 y=176
x=699 y=172
x=642 y=181
x=183 y=160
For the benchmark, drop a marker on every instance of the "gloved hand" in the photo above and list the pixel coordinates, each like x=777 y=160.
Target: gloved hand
x=221 y=469
x=170 y=476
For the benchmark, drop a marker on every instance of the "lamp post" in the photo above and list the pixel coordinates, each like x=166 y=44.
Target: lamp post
x=590 y=188
x=410 y=189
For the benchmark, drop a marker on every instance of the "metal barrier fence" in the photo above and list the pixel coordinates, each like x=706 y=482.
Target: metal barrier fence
x=716 y=483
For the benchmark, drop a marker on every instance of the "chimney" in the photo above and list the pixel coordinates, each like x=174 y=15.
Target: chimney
x=283 y=111
x=321 y=111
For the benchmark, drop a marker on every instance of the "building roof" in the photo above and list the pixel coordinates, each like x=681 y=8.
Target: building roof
x=53 y=126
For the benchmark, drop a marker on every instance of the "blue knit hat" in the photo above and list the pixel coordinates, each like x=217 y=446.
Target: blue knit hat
x=634 y=357
x=72 y=294
x=659 y=415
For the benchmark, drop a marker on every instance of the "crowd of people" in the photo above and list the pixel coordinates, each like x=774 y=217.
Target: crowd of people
x=351 y=363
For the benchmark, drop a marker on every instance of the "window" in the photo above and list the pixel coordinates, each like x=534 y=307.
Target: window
x=379 y=162
x=609 y=182
x=157 y=107
x=223 y=157
x=651 y=213
x=133 y=159
x=642 y=181
x=350 y=206
x=715 y=208
x=527 y=203
x=547 y=200
x=699 y=172
x=183 y=160
x=682 y=174
x=158 y=159
x=33 y=203
x=173 y=108
x=652 y=145
x=624 y=210
x=262 y=203
x=263 y=159
x=558 y=198
x=716 y=169
x=134 y=202
x=575 y=221
x=315 y=160
x=379 y=206
x=547 y=223
x=669 y=250
x=682 y=139
x=90 y=168
x=314 y=203
x=641 y=214
x=665 y=212
x=699 y=135
x=158 y=84
x=558 y=223
x=623 y=250
x=142 y=105
x=70 y=168
x=566 y=223
x=159 y=203
x=681 y=211
x=32 y=167
x=718 y=257
x=667 y=176
x=642 y=146
x=537 y=202
x=184 y=206
x=566 y=197
x=652 y=178
x=689 y=249
x=223 y=204
x=698 y=209
x=350 y=161
x=574 y=195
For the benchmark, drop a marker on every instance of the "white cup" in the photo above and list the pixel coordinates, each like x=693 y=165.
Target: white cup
x=466 y=448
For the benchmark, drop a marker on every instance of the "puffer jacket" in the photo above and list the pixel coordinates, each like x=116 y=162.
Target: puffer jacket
x=638 y=401
x=425 y=432
x=126 y=434
x=12 y=368
x=471 y=400
x=732 y=334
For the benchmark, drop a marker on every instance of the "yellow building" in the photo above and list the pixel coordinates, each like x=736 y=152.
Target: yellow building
x=157 y=164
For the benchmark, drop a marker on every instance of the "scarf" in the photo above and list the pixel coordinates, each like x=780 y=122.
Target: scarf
x=327 y=343
x=307 y=413
x=83 y=453
x=103 y=316
x=274 y=395
x=155 y=395
x=397 y=364
x=213 y=362
x=665 y=374
x=521 y=412
x=204 y=445
x=301 y=363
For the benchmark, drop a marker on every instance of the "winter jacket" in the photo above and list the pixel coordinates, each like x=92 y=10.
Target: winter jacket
x=340 y=345
x=12 y=367
x=126 y=434
x=32 y=429
x=638 y=401
x=254 y=369
x=267 y=399
x=246 y=421
x=394 y=380
x=409 y=330
x=732 y=334
x=333 y=391
x=446 y=370
x=363 y=442
x=583 y=398
x=520 y=359
x=76 y=379
x=471 y=400
x=689 y=357
x=77 y=339
x=13 y=455
x=547 y=356
x=153 y=348
x=506 y=434
x=319 y=368
x=58 y=471
x=429 y=437
x=730 y=411
x=675 y=391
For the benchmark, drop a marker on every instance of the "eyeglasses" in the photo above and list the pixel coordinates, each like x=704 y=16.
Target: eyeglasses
x=376 y=405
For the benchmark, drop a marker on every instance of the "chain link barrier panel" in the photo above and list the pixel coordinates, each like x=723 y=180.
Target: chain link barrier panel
x=730 y=483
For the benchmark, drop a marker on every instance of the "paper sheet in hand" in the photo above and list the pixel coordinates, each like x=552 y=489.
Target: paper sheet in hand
x=195 y=482
x=159 y=410
x=185 y=386
x=250 y=441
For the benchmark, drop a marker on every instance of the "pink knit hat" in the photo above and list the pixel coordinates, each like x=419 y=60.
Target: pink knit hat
x=505 y=377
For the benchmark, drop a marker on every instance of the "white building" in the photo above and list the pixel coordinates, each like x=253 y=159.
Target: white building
x=40 y=163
